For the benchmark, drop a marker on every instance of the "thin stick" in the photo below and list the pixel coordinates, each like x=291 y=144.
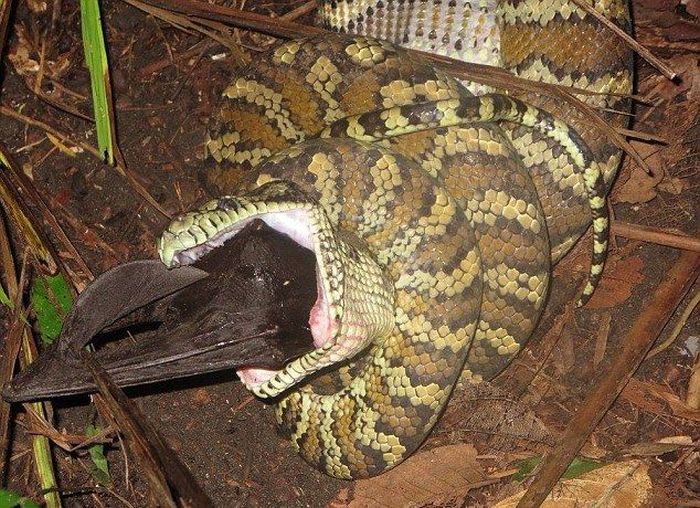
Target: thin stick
x=168 y=478
x=645 y=330
x=643 y=136
x=5 y=9
x=205 y=45
x=643 y=52
x=12 y=341
x=676 y=329
x=41 y=448
x=200 y=47
x=655 y=235
x=300 y=11
x=278 y=27
x=23 y=192
x=121 y=169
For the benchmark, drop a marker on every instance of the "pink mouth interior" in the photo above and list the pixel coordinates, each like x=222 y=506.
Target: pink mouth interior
x=294 y=224
x=321 y=330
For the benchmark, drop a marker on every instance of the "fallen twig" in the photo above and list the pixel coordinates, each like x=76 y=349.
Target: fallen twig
x=640 y=49
x=11 y=346
x=17 y=214
x=5 y=9
x=692 y=398
x=188 y=23
x=90 y=236
x=199 y=48
x=18 y=193
x=640 y=338
x=676 y=329
x=654 y=235
x=205 y=45
x=486 y=74
x=41 y=447
x=168 y=478
x=641 y=135
x=69 y=442
x=121 y=169
x=276 y=27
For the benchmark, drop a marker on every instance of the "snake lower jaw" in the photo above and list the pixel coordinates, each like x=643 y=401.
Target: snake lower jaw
x=323 y=330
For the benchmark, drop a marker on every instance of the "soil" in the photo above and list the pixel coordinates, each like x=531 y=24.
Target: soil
x=224 y=435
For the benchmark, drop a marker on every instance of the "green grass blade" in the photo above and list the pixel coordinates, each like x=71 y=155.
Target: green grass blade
x=96 y=59
x=44 y=464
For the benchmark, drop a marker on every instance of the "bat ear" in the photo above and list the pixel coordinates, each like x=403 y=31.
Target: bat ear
x=113 y=295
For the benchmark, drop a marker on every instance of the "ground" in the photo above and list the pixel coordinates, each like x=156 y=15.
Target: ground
x=166 y=83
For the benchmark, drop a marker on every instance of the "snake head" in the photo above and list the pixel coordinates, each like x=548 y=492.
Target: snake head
x=355 y=303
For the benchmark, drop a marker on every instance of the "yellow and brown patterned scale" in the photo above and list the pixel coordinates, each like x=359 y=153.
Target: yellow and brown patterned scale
x=552 y=41
x=431 y=230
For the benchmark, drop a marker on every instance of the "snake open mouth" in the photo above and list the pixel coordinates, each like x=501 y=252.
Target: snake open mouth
x=295 y=225
x=354 y=303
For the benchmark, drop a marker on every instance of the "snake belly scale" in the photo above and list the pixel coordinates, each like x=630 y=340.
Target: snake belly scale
x=434 y=215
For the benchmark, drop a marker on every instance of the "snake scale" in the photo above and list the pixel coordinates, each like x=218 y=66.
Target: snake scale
x=435 y=215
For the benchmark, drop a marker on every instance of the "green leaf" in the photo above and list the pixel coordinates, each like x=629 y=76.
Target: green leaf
x=51 y=300
x=578 y=467
x=61 y=291
x=10 y=499
x=5 y=300
x=100 y=469
x=526 y=467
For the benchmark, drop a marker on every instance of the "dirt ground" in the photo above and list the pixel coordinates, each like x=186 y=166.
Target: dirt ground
x=166 y=83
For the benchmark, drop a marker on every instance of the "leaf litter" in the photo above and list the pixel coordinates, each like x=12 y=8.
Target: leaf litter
x=547 y=381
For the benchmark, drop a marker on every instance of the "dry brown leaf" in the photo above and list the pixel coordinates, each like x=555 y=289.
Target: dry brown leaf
x=21 y=53
x=665 y=445
x=563 y=355
x=641 y=187
x=693 y=8
x=658 y=400
x=487 y=410
x=678 y=440
x=36 y=6
x=621 y=484
x=686 y=65
x=24 y=56
x=436 y=476
x=601 y=340
x=674 y=185
x=619 y=279
x=692 y=398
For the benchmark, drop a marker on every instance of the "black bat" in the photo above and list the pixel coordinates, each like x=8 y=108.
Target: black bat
x=245 y=304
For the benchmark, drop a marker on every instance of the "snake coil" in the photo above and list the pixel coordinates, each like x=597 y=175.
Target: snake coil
x=434 y=214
